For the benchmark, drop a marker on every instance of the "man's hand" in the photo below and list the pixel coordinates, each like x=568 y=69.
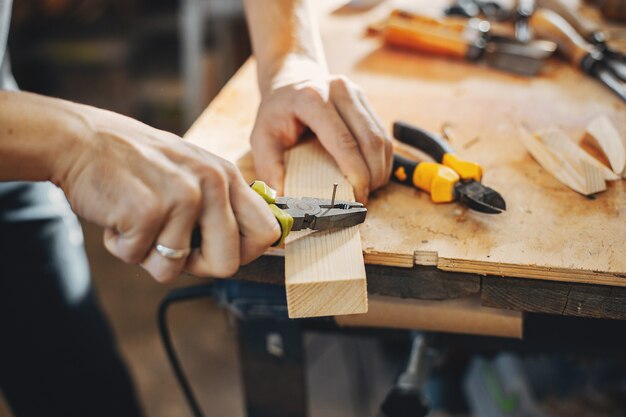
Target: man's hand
x=337 y=111
x=298 y=93
x=143 y=185
x=147 y=186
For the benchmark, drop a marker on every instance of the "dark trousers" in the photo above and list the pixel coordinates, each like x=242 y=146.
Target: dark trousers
x=57 y=354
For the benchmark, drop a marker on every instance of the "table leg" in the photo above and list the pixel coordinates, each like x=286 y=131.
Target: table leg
x=273 y=368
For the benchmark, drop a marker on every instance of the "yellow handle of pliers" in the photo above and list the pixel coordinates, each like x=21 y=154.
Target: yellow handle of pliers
x=436 y=179
x=284 y=219
x=467 y=170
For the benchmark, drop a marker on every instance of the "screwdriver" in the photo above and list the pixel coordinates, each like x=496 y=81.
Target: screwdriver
x=592 y=33
x=589 y=58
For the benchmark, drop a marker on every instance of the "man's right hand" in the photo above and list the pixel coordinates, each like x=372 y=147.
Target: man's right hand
x=147 y=186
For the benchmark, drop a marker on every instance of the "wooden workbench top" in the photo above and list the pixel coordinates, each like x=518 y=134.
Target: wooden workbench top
x=548 y=232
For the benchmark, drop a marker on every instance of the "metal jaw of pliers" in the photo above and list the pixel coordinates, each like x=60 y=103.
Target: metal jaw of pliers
x=479 y=197
x=321 y=214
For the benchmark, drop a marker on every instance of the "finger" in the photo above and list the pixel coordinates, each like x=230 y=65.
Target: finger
x=323 y=119
x=219 y=254
x=131 y=251
x=388 y=143
x=134 y=227
x=369 y=135
x=269 y=159
x=258 y=228
x=175 y=234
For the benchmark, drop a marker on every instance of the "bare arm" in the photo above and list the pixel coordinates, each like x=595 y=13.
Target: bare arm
x=286 y=41
x=35 y=135
x=298 y=92
x=143 y=185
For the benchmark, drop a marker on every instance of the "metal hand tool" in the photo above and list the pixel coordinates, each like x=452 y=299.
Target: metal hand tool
x=471 y=40
x=589 y=58
x=491 y=10
x=304 y=213
x=449 y=179
x=592 y=33
x=523 y=10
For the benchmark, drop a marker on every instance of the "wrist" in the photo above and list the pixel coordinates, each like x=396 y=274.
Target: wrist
x=75 y=134
x=39 y=136
x=291 y=68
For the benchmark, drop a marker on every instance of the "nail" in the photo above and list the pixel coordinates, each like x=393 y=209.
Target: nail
x=332 y=200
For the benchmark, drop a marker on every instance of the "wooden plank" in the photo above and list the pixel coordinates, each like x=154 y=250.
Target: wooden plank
x=465 y=316
x=568 y=299
x=324 y=271
x=606 y=137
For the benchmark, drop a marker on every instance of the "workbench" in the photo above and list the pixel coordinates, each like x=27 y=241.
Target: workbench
x=442 y=268
x=553 y=251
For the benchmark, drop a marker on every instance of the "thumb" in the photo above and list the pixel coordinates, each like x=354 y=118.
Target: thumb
x=269 y=160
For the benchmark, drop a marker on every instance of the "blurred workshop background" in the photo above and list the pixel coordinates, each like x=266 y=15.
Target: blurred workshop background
x=130 y=56
x=160 y=61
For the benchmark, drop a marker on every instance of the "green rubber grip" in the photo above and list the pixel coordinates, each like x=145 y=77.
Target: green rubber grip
x=283 y=218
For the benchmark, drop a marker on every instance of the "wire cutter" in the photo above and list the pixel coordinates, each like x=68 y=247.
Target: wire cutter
x=448 y=179
x=295 y=214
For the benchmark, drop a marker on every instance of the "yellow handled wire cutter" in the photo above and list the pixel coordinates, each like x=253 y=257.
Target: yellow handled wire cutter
x=450 y=178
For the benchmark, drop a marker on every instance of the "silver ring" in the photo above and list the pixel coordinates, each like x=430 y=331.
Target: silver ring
x=172 y=253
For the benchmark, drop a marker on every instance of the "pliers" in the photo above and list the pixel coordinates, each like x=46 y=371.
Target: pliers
x=295 y=214
x=448 y=179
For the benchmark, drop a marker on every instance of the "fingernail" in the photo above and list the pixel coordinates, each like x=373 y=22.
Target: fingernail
x=366 y=193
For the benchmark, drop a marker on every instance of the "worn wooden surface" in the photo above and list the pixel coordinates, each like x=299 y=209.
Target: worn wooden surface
x=548 y=232
x=560 y=298
x=324 y=271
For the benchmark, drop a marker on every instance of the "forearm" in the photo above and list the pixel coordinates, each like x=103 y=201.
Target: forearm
x=36 y=136
x=285 y=40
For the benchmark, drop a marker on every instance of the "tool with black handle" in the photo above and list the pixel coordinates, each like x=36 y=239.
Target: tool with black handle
x=294 y=214
x=592 y=33
x=585 y=27
x=523 y=10
x=589 y=58
x=450 y=178
x=491 y=10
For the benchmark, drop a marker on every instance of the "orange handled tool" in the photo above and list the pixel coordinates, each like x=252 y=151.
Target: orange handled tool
x=470 y=40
